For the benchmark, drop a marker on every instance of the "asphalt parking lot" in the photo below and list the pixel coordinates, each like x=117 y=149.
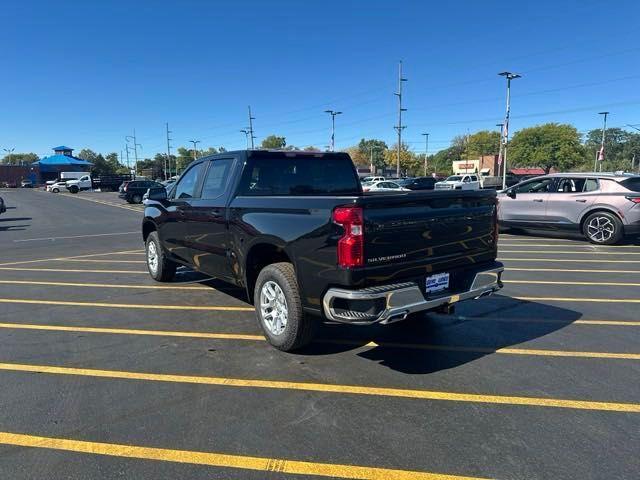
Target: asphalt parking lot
x=106 y=374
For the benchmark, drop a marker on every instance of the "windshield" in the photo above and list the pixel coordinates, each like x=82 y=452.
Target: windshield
x=454 y=178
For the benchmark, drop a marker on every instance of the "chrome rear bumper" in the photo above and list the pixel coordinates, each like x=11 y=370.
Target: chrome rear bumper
x=396 y=301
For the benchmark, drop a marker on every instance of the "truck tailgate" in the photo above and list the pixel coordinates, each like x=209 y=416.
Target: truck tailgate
x=410 y=235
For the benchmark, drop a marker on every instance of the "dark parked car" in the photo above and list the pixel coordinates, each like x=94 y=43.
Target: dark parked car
x=419 y=183
x=3 y=207
x=133 y=191
x=297 y=232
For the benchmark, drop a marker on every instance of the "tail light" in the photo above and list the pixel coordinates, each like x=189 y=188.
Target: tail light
x=351 y=244
x=634 y=199
x=126 y=186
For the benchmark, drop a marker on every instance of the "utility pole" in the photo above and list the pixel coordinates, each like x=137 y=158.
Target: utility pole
x=135 y=149
x=499 y=125
x=251 y=134
x=600 y=154
x=426 y=151
x=168 y=162
x=333 y=127
x=195 y=148
x=505 y=131
x=246 y=134
x=399 y=127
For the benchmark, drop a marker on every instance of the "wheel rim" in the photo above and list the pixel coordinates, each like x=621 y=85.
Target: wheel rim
x=152 y=257
x=273 y=307
x=600 y=229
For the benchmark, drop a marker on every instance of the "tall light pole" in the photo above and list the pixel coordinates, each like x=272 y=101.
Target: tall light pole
x=499 y=125
x=426 y=151
x=168 y=154
x=195 y=148
x=251 y=119
x=600 y=154
x=399 y=127
x=246 y=134
x=333 y=114
x=371 y=148
x=9 y=151
x=505 y=131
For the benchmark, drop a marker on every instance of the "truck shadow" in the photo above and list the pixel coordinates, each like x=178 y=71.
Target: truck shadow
x=15 y=219
x=437 y=342
x=561 y=235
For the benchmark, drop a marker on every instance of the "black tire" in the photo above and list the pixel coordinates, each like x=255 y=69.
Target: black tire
x=165 y=269
x=74 y=189
x=55 y=190
x=136 y=199
x=300 y=328
x=603 y=228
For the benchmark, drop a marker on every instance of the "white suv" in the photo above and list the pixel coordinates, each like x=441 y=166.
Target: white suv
x=459 y=182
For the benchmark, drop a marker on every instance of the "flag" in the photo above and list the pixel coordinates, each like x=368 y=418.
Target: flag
x=601 y=153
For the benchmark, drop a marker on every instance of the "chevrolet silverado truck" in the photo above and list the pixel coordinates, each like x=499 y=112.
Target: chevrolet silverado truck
x=295 y=230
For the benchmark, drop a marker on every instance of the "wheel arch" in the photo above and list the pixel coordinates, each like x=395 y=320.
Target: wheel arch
x=259 y=256
x=600 y=208
x=148 y=226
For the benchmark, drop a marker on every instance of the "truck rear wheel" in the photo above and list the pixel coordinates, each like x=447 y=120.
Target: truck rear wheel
x=136 y=199
x=279 y=308
x=160 y=267
x=74 y=189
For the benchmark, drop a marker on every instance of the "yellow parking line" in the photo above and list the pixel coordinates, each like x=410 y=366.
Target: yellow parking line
x=330 y=388
x=126 y=331
x=620 y=323
x=107 y=285
x=69 y=270
x=400 y=345
x=101 y=202
x=126 y=305
x=549 y=282
x=570 y=252
x=124 y=252
x=573 y=270
x=590 y=300
x=573 y=260
x=221 y=460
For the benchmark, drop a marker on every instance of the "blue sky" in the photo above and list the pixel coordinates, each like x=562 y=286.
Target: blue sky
x=85 y=74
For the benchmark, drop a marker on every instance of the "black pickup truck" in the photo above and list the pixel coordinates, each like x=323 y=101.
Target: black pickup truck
x=297 y=232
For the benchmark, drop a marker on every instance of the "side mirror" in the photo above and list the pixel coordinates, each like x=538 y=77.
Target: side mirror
x=156 y=193
x=511 y=193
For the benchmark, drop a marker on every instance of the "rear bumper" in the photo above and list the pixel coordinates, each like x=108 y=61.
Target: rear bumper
x=392 y=303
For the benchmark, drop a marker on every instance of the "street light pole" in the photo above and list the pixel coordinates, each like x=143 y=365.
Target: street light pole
x=426 y=151
x=246 y=134
x=505 y=131
x=399 y=127
x=333 y=127
x=499 y=125
x=195 y=148
x=9 y=151
x=251 y=119
x=600 y=154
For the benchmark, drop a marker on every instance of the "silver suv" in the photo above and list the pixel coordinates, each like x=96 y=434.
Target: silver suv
x=604 y=207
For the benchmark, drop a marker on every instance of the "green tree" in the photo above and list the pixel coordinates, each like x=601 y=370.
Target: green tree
x=369 y=150
x=101 y=166
x=619 y=147
x=20 y=158
x=409 y=162
x=88 y=155
x=551 y=145
x=273 y=142
x=184 y=158
x=442 y=161
x=484 y=142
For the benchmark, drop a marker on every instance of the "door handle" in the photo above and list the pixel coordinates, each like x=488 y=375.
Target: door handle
x=539 y=200
x=581 y=201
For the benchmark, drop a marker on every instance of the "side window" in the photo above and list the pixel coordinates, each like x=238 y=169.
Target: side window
x=186 y=187
x=591 y=185
x=570 y=185
x=392 y=185
x=466 y=180
x=217 y=178
x=534 y=186
x=474 y=178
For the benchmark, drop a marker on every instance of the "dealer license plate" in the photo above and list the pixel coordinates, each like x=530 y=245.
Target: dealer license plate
x=437 y=282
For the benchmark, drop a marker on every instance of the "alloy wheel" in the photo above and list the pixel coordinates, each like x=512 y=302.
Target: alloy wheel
x=600 y=229
x=273 y=307
x=152 y=257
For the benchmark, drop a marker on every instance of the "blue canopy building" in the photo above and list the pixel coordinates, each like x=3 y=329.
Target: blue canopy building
x=62 y=161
